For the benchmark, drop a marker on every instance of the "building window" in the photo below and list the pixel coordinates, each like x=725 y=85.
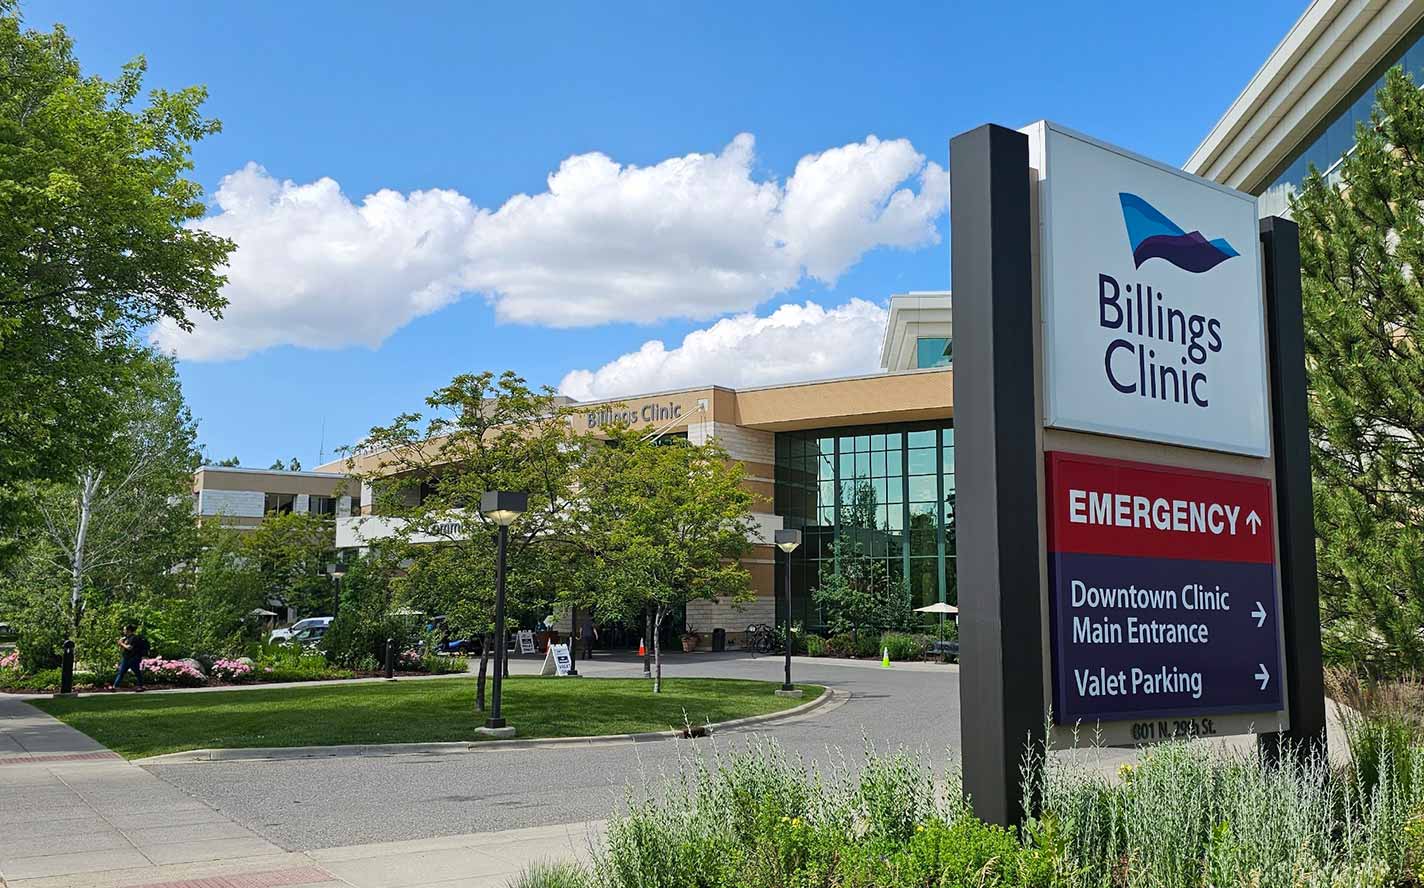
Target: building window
x=322 y=505
x=932 y=351
x=1337 y=139
x=279 y=503
x=882 y=492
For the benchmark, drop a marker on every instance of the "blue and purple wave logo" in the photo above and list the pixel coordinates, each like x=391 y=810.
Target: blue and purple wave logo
x=1154 y=236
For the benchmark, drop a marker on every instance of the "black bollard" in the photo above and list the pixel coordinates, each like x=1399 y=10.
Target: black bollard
x=390 y=659
x=66 y=670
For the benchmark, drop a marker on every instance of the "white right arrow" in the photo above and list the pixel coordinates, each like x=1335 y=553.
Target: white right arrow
x=1254 y=520
x=1263 y=675
x=1260 y=614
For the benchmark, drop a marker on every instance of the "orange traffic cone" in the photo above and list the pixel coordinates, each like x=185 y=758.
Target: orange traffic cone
x=642 y=651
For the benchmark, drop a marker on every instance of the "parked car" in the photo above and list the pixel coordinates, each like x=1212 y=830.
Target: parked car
x=444 y=643
x=310 y=637
x=290 y=632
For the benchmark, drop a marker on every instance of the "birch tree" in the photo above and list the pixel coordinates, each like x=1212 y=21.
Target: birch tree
x=126 y=517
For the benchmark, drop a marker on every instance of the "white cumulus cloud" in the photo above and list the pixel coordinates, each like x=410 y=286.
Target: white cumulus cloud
x=793 y=343
x=692 y=237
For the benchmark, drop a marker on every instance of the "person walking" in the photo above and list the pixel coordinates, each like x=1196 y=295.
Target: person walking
x=588 y=634
x=132 y=649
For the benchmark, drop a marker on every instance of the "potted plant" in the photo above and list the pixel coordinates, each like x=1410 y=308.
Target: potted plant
x=690 y=641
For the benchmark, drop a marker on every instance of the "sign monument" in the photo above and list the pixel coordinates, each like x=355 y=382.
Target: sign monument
x=1130 y=401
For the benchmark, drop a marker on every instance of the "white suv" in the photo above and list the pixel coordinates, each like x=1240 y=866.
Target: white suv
x=286 y=634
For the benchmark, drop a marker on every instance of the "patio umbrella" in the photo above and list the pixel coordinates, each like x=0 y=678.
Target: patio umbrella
x=939 y=607
x=261 y=612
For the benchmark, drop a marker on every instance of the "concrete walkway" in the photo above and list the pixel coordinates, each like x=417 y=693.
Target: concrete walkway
x=75 y=815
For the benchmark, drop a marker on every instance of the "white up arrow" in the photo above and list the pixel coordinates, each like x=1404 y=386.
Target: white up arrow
x=1254 y=520
x=1263 y=675
x=1260 y=614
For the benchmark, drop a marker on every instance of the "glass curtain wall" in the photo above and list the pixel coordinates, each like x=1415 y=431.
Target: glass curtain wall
x=1337 y=139
x=881 y=492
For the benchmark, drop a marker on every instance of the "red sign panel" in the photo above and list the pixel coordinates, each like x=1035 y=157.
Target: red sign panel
x=1114 y=507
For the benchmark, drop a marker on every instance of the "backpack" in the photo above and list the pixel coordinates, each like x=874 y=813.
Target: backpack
x=140 y=647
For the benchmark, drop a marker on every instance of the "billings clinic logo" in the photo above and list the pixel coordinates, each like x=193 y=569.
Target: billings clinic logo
x=1160 y=351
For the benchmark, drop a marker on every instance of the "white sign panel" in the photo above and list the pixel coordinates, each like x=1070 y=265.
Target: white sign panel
x=1153 y=320
x=562 y=661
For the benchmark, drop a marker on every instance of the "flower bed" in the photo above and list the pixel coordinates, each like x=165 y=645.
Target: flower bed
x=178 y=673
x=232 y=671
x=284 y=665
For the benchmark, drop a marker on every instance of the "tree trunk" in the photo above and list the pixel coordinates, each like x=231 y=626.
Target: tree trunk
x=485 y=642
x=88 y=486
x=658 y=652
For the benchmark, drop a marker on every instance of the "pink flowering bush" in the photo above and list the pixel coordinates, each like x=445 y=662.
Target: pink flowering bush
x=410 y=661
x=177 y=672
x=232 y=670
x=11 y=660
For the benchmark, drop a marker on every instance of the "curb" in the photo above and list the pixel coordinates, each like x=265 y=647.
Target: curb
x=287 y=753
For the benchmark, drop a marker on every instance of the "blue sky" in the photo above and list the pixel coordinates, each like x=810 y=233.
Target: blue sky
x=478 y=103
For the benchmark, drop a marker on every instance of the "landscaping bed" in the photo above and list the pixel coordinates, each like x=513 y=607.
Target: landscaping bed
x=415 y=712
x=898 y=646
x=272 y=664
x=1186 y=816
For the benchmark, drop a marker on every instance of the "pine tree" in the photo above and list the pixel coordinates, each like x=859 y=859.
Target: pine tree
x=1362 y=237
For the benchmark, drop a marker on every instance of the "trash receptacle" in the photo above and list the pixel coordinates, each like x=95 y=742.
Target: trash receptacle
x=719 y=639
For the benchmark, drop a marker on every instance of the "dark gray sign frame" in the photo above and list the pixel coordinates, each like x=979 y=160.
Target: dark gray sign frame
x=997 y=422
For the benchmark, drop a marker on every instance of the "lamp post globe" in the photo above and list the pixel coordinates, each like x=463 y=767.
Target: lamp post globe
x=501 y=507
x=788 y=540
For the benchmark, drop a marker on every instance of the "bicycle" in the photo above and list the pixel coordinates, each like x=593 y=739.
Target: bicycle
x=761 y=638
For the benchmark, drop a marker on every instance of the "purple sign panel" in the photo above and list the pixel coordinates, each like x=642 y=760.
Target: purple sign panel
x=1143 y=637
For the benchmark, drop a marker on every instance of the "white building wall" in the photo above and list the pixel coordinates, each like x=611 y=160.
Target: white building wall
x=234 y=503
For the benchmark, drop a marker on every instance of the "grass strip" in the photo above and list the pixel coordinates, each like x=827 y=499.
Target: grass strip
x=441 y=710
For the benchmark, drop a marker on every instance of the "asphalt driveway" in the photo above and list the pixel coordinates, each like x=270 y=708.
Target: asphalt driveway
x=321 y=803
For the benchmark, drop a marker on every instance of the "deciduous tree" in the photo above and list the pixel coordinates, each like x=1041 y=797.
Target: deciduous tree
x=484 y=432
x=96 y=245
x=666 y=524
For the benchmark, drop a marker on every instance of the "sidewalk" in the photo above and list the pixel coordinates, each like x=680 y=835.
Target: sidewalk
x=74 y=815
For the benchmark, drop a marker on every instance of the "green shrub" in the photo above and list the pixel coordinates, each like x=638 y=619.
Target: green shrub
x=552 y=875
x=1186 y=816
x=291 y=662
x=47 y=681
x=864 y=646
x=815 y=646
x=437 y=665
x=901 y=646
x=324 y=672
x=357 y=633
x=867 y=647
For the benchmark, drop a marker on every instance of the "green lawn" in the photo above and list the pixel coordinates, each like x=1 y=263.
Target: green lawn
x=136 y=725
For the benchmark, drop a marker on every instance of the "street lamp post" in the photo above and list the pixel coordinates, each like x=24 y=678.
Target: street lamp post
x=337 y=570
x=788 y=541
x=502 y=507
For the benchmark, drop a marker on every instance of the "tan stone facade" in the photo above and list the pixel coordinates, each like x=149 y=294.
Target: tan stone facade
x=745 y=422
